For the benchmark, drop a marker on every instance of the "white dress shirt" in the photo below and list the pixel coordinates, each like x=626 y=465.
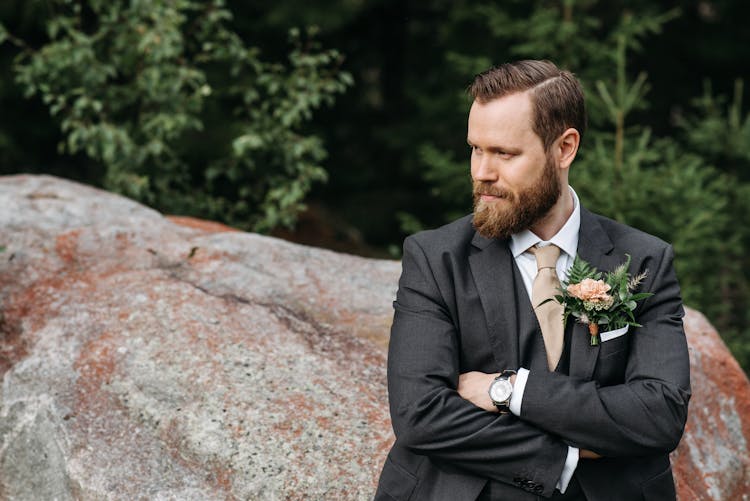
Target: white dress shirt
x=567 y=240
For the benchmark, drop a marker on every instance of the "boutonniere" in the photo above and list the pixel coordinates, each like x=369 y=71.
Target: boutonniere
x=597 y=299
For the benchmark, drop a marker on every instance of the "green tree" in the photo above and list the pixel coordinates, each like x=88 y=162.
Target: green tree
x=139 y=86
x=720 y=132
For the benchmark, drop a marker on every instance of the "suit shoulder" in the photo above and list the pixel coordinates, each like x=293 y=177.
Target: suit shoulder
x=623 y=235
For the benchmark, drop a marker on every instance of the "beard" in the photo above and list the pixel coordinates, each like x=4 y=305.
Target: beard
x=517 y=211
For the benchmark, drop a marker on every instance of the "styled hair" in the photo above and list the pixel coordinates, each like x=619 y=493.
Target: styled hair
x=556 y=95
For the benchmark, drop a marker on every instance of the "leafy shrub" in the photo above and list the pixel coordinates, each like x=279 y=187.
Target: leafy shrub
x=139 y=87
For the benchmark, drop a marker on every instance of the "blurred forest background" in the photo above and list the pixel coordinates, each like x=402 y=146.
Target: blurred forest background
x=342 y=123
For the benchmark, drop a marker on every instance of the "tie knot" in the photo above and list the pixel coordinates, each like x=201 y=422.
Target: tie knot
x=546 y=257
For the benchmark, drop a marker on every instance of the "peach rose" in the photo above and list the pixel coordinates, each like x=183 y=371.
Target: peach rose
x=591 y=291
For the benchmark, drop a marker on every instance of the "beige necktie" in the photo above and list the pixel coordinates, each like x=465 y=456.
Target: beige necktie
x=550 y=314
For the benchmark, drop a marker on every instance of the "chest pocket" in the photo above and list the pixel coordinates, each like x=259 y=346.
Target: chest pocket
x=613 y=356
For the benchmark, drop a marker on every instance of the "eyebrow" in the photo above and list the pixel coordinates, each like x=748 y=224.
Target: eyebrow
x=498 y=149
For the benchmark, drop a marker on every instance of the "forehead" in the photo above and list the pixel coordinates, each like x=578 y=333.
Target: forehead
x=507 y=119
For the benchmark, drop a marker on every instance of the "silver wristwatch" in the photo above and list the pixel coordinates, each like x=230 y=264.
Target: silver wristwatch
x=501 y=390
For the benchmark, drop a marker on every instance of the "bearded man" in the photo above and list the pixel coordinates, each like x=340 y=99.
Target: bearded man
x=491 y=395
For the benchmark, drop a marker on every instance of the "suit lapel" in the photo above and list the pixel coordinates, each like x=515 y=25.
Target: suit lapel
x=594 y=247
x=492 y=269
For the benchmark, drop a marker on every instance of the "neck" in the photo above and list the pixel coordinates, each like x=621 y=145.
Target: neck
x=558 y=215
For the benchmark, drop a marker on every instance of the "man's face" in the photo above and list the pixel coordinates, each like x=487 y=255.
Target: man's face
x=515 y=182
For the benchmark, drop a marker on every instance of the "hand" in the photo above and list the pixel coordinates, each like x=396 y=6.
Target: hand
x=474 y=386
x=587 y=454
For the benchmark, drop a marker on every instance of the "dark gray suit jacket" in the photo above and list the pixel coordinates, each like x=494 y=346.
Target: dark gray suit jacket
x=461 y=306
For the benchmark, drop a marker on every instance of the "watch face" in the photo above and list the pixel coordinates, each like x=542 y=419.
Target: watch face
x=500 y=390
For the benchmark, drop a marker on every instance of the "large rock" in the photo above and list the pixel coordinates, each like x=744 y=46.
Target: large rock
x=149 y=358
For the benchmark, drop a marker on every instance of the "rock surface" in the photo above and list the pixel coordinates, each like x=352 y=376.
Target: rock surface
x=145 y=357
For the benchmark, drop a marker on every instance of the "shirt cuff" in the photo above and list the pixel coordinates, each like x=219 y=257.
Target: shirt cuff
x=571 y=463
x=517 y=396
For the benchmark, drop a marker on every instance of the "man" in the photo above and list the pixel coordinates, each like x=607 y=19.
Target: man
x=577 y=421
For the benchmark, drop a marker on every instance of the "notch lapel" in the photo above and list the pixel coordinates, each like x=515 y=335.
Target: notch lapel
x=492 y=269
x=594 y=247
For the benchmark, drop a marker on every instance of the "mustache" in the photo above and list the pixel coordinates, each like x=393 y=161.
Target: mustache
x=485 y=188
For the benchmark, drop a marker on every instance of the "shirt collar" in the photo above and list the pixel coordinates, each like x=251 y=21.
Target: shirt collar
x=566 y=239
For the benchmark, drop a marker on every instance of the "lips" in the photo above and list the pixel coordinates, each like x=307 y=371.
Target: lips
x=493 y=194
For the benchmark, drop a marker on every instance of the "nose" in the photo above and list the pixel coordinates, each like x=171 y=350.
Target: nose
x=482 y=168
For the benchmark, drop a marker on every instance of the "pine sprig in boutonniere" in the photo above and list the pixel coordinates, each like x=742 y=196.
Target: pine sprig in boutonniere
x=597 y=299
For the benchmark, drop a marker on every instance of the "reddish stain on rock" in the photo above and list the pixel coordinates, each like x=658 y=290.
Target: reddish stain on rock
x=12 y=344
x=24 y=310
x=222 y=478
x=95 y=366
x=201 y=224
x=66 y=245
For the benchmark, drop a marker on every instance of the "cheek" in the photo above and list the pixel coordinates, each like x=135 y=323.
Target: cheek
x=523 y=173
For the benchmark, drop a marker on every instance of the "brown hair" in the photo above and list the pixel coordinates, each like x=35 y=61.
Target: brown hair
x=556 y=95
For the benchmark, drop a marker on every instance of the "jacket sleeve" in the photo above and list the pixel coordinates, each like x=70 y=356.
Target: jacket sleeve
x=429 y=416
x=645 y=414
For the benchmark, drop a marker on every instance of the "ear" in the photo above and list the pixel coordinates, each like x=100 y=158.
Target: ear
x=566 y=147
